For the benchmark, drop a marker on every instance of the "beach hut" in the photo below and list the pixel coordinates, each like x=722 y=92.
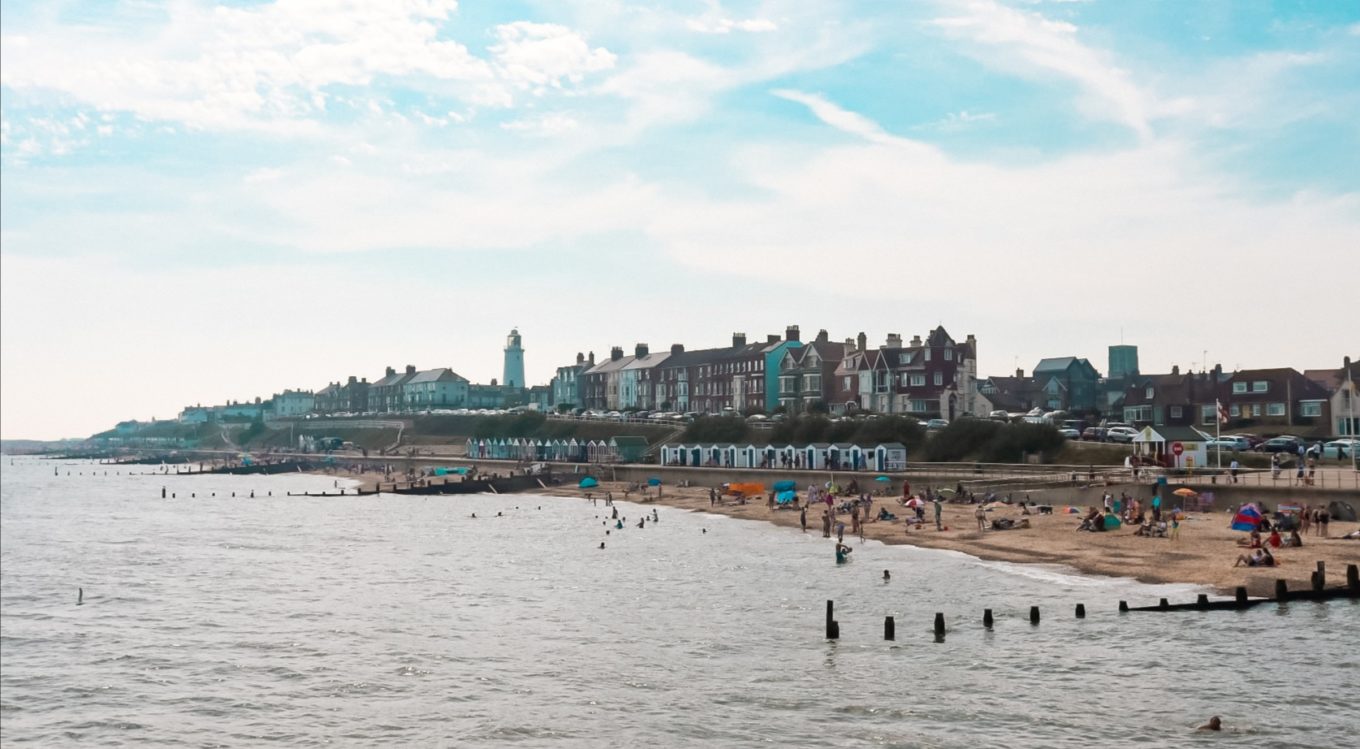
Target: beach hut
x=1173 y=446
x=629 y=449
x=814 y=455
x=748 y=456
x=574 y=450
x=890 y=456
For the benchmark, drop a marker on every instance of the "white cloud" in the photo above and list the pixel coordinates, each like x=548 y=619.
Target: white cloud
x=1027 y=43
x=544 y=55
x=710 y=24
x=841 y=119
x=543 y=125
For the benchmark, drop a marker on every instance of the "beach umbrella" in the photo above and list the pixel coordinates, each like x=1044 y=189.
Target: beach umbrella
x=653 y=481
x=1111 y=522
x=882 y=478
x=785 y=497
x=1248 y=518
x=784 y=486
x=913 y=503
x=588 y=482
x=1183 y=492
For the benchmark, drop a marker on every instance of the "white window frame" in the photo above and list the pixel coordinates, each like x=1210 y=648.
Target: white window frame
x=1177 y=412
x=1260 y=386
x=949 y=354
x=1311 y=409
x=939 y=379
x=927 y=354
x=1275 y=409
x=918 y=380
x=1239 y=387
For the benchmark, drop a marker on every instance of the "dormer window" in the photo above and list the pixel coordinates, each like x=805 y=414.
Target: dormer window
x=1259 y=386
x=927 y=354
x=949 y=354
x=1148 y=392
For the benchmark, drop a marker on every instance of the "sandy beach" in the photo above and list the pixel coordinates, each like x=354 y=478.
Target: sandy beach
x=1203 y=554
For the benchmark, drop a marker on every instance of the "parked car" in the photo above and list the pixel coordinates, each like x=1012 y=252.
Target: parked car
x=1285 y=443
x=1227 y=445
x=1070 y=433
x=937 y=423
x=1093 y=434
x=1123 y=435
x=1340 y=449
x=757 y=417
x=1254 y=439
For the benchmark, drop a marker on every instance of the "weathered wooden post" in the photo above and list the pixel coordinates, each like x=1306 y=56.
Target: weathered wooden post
x=1353 y=578
x=1241 y=595
x=889 y=628
x=987 y=618
x=939 y=624
x=1164 y=604
x=1202 y=601
x=1123 y=607
x=832 y=629
x=1081 y=611
x=1320 y=577
x=1033 y=614
x=1281 y=591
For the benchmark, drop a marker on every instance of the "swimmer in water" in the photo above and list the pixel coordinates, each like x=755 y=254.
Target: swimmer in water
x=1214 y=724
x=601 y=544
x=842 y=552
x=474 y=514
x=886 y=576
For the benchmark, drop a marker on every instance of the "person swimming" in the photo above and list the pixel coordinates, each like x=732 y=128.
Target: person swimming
x=1214 y=724
x=601 y=544
x=842 y=553
x=886 y=576
x=618 y=525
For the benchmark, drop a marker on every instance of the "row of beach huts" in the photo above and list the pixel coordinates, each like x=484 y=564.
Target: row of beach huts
x=891 y=456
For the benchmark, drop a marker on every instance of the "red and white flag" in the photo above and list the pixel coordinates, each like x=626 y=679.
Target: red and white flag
x=1222 y=413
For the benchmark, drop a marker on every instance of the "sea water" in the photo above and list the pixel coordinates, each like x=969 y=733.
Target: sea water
x=358 y=621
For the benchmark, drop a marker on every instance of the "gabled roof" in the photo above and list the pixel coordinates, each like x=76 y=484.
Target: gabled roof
x=441 y=374
x=648 y=361
x=1175 y=434
x=388 y=380
x=629 y=441
x=939 y=337
x=1055 y=364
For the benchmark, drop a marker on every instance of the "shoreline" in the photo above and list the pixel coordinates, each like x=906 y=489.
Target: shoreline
x=1203 y=555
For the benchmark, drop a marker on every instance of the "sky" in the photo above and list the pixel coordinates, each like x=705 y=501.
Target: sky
x=206 y=201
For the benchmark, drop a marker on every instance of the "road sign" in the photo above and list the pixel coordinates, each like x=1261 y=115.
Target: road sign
x=1177 y=448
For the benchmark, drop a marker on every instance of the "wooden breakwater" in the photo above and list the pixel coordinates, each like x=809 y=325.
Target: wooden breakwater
x=428 y=487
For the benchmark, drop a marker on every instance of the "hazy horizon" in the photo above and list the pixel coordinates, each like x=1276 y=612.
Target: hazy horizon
x=202 y=202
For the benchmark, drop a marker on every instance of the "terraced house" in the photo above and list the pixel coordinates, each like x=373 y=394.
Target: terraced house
x=934 y=378
x=807 y=374
x=435 y=388
x=1276 y=397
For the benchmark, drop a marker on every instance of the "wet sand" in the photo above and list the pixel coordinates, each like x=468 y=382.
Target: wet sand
x=1203 y=554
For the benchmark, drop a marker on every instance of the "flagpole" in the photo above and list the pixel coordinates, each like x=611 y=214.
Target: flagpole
x=1218 y=432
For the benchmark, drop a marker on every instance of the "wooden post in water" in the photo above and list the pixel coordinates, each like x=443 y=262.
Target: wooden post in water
x=1123 y=607
x=1081 y=611
x=1281 y=591
x=987 y=618
x=1033 y=614
x=1202 y=601
x=1320 y=577
x=939 y=623
x=832 y=630
x=1164 y=604
x=1353 y=578
x=1241 y=595
x=889 y=628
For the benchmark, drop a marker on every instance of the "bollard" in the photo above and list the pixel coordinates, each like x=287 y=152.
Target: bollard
x=832 y=631
x=1163 y=604
x=1353 y=578
x=1081 y=611
x=1241 y=595
x=889 y=628
x=1123 y=607
x=987 y=618
x=1033 y=614
x=1281 y=591
x=1320 y=577
x=939 y=623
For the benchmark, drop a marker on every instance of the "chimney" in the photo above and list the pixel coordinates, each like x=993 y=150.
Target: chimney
x=351 y=379
x=1218 y=370
x=1175 y=369
x=862 y=342
x=895 y=341
x=391 y=371
x=849 y=344
x=772 y=338
x=591 y=360
x=822 y=336
x=364 y=380
x=493 y=382
x=410 y=369
x=616 y=353
x=1019 y=372
x=791 y=333
x=640 y=350
x=580 y=358
x=738 y=340
x=915 y=340
x=677 y=348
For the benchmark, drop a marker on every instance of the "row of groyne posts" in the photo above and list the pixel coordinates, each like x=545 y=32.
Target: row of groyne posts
x=1317 y=592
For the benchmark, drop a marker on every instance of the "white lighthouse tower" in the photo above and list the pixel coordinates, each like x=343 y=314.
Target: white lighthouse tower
x=514 y=361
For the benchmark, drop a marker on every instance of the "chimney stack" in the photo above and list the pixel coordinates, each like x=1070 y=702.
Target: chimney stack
x=640 y=350
x=791 y=333
x=738 y=340
x=1175 y=369
x=677 y=348
x=895 y=341
x=591 y=360
x=915 y=340
x=391 y=371
x=822 y=336
x=616 y=353
x=351 y=379
x=580 y=358
x=862 y=342
x=1019 y=372
x=772 y=338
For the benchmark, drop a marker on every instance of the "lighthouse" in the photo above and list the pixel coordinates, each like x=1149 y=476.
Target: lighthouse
x=514 y=361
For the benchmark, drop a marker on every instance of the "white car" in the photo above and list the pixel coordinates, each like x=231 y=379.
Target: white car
x=1342 y=448
x=1070 y=433
x=1121 y=434
x=1230 y=444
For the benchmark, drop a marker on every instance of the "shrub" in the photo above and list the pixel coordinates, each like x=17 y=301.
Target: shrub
x=716 y=429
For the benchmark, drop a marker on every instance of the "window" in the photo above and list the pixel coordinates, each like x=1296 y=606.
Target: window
x=1259 y=386
x=949 y=354
x=1235 y=410
x=1207 y=414
x=927 y=354
x=939 y=379
x=1310 y=408
x=1239 y=387
x=1256 y=409
x=1148 y=393
x=1176 y=412
x=920 y=406
x=812 y=382
x=918 y=380
x=845 y=383
x=1275 y=409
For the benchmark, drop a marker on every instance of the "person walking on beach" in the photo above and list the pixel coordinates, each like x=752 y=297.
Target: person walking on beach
x=840 y=533
x=981 y=515
x=826 y=524
x=1232 y=470
x=939 y=510
x=802 y=518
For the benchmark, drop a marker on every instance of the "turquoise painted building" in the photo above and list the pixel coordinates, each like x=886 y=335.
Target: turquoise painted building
x=773 y=354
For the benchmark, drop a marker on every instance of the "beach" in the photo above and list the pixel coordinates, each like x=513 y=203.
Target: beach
x=1203 y=554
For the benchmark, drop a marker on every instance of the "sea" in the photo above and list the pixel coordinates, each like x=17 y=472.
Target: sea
x=213 y=620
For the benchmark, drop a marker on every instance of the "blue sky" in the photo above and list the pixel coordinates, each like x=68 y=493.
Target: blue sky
x=204 y=201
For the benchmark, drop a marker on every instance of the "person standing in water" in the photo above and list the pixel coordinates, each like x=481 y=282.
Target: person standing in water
x=802 y=518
